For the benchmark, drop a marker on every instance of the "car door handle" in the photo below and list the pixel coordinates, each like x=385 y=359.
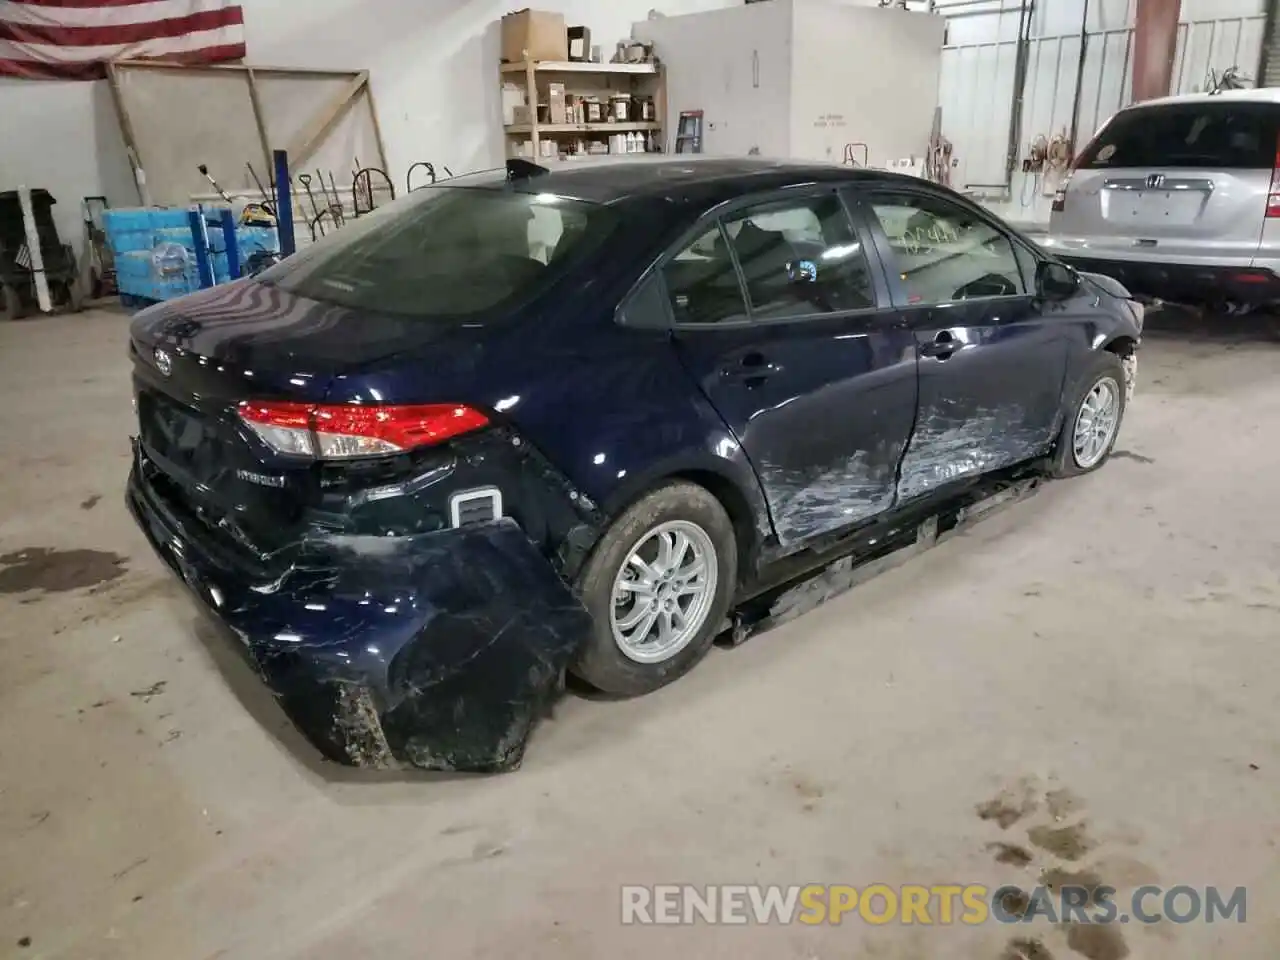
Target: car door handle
x=943 y=345
x=751 y=368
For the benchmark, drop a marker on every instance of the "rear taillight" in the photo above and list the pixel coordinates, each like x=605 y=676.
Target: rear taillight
x=1273 y=195
x=338 y=431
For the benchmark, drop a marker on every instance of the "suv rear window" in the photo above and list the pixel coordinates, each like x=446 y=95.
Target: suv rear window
x=1212 y=134
x=452 y=253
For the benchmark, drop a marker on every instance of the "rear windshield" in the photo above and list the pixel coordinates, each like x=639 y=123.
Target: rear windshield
x=1213 y=134
x=447 y=252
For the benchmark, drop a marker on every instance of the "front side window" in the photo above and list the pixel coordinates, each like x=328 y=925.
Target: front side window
x=943 y=252
x=796 y=258
x=447 y=254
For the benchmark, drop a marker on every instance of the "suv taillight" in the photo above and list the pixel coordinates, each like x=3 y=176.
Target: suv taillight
x=1273 y=195
x=340 y=431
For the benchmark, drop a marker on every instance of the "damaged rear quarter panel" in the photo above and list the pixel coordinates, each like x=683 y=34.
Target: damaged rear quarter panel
x=440 y=650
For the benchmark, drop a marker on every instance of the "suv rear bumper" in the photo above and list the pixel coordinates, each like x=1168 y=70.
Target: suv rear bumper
x=439 y=651
x=1185 y=282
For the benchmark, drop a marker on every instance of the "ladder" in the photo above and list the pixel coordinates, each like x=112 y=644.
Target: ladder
x=689 y=132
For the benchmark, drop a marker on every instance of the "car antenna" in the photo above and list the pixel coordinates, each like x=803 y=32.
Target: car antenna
x=518 y=169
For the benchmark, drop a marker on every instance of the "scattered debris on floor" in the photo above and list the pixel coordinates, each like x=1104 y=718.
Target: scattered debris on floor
x=121 y=874
x=154 y=690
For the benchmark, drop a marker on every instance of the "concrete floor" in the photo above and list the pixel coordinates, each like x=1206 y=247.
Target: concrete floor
x=1114 y=636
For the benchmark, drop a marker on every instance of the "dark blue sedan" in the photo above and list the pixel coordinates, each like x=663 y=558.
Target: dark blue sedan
x=529 y=420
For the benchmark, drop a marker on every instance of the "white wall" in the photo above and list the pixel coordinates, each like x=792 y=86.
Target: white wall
x=736 y=68
x=63 y=137
x=840 y=55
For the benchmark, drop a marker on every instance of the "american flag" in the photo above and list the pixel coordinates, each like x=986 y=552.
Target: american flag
x=73 y=39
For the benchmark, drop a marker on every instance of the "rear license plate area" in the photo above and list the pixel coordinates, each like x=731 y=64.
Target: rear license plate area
x=1153 y=208
x=184 y=437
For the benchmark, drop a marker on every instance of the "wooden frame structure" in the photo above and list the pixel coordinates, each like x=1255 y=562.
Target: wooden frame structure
x=301 y=147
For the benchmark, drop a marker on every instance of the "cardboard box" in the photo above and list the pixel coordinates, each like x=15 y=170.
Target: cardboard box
x=534 y=35
x=557 y=111
x=579 y=43
x=521 y=114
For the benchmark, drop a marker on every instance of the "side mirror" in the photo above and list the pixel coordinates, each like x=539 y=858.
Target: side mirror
x=1056 y=281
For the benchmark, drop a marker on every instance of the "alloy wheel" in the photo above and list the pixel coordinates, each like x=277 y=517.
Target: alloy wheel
x=663 y=592
x=1096 y=423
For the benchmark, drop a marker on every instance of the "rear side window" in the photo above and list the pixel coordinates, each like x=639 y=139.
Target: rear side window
x=794 y=258
x=447 y=253
x=1213 y=134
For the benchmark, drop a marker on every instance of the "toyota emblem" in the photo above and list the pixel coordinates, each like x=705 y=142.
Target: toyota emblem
x=164 y=362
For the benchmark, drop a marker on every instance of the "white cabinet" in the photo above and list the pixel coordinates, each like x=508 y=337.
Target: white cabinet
x=803 y=78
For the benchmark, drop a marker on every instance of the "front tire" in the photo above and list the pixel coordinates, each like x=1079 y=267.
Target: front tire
x=657 y=586
x=1092 y=420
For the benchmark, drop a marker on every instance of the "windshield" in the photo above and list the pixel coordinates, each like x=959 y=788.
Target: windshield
x=447 y=252
x=1212 y=134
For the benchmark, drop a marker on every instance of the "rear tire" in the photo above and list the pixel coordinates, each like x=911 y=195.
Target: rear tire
x=1092 y=419
x=654 y=615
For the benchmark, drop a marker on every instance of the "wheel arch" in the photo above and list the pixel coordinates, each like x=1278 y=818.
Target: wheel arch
x=732 y=483
x=1122 y=345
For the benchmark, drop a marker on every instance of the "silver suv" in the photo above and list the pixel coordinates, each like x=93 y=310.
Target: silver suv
x=1179 y=198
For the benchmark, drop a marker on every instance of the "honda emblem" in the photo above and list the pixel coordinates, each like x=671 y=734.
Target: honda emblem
x=1155 y=181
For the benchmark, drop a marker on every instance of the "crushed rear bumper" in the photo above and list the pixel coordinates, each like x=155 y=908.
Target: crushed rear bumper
x=439 y=651
x=1186 y=283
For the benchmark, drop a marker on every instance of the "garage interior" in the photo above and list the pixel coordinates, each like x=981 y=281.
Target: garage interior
x=1105 y=640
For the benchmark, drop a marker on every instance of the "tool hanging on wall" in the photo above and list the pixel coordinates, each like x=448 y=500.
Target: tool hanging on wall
x=362 y=188
x=1230 y=79
x=337 y=198
x=332 y=200
x=1034 y=161
x=267 y=203
x=305 y=180
x=1058 y=156
x=204 y=169
x=253 y=213
x=431 y=172
x=1033 y=166
x=938 y=159
x=316 y=226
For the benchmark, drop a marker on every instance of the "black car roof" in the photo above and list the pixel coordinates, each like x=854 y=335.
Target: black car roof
x=700 y=179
